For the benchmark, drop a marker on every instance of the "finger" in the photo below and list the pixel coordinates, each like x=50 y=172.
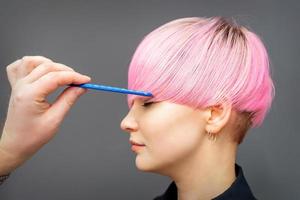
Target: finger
x=52 y=80
x=45 y=68
x=29 y=63
x=63 y=104
x=11 y=71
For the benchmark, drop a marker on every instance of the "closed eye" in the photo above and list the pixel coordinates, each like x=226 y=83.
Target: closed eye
x=146 y=104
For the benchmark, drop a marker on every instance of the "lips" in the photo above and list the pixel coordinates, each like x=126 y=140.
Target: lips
x=136 y=146
x=136 y=143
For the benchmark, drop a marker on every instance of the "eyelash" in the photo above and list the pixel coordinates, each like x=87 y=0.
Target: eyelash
x=147 y=103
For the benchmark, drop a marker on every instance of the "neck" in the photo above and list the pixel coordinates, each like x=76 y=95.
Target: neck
x=207 y=173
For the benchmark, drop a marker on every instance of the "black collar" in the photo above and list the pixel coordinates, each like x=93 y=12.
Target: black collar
x=239 y=189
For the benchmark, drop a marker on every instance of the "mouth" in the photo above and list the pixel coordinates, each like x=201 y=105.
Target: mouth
x=136 y=146
x=136 y=143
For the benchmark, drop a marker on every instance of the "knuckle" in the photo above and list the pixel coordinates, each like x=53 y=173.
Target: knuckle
x=12 y=67
x=46 y=66
x=52 y=75
x=9 y=68
x=20 y=96
x=25 y=57
x=27 y=60
x=48 y=78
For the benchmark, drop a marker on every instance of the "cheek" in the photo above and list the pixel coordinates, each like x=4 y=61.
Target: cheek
x=167 y=132
x=177 y=143
x=168 y=141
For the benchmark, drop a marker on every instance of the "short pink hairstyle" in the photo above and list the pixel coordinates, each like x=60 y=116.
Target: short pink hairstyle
x=201 y=62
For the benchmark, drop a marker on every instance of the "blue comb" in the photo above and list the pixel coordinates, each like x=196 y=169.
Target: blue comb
x=111 y=89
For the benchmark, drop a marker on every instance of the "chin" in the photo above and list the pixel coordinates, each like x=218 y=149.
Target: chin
x=144 y=165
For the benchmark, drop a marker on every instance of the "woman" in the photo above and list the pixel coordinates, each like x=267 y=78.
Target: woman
x=210 y=80
x=211 y=83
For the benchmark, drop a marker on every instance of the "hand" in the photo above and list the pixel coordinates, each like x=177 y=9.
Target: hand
x=32 y=121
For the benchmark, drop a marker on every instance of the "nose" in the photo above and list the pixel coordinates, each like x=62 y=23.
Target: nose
x=129 y=124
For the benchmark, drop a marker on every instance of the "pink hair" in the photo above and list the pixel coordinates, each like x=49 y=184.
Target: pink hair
x=201 y=62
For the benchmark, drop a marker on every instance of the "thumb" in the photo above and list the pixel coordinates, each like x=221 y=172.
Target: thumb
x=64 y=102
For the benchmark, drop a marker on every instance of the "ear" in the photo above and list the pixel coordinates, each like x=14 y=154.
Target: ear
x=217 y=116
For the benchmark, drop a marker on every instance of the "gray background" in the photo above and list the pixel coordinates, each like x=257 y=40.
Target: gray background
x=90 y=157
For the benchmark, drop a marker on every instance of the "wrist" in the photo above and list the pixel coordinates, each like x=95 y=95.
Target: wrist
x=8 y=162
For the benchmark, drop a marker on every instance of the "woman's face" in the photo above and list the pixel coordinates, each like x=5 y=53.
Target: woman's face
x=170 y=132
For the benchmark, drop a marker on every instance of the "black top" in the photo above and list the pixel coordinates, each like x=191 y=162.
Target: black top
x=238 y=190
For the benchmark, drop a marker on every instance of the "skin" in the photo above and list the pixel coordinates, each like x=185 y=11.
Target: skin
x=31 y=121
x=177 y=145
